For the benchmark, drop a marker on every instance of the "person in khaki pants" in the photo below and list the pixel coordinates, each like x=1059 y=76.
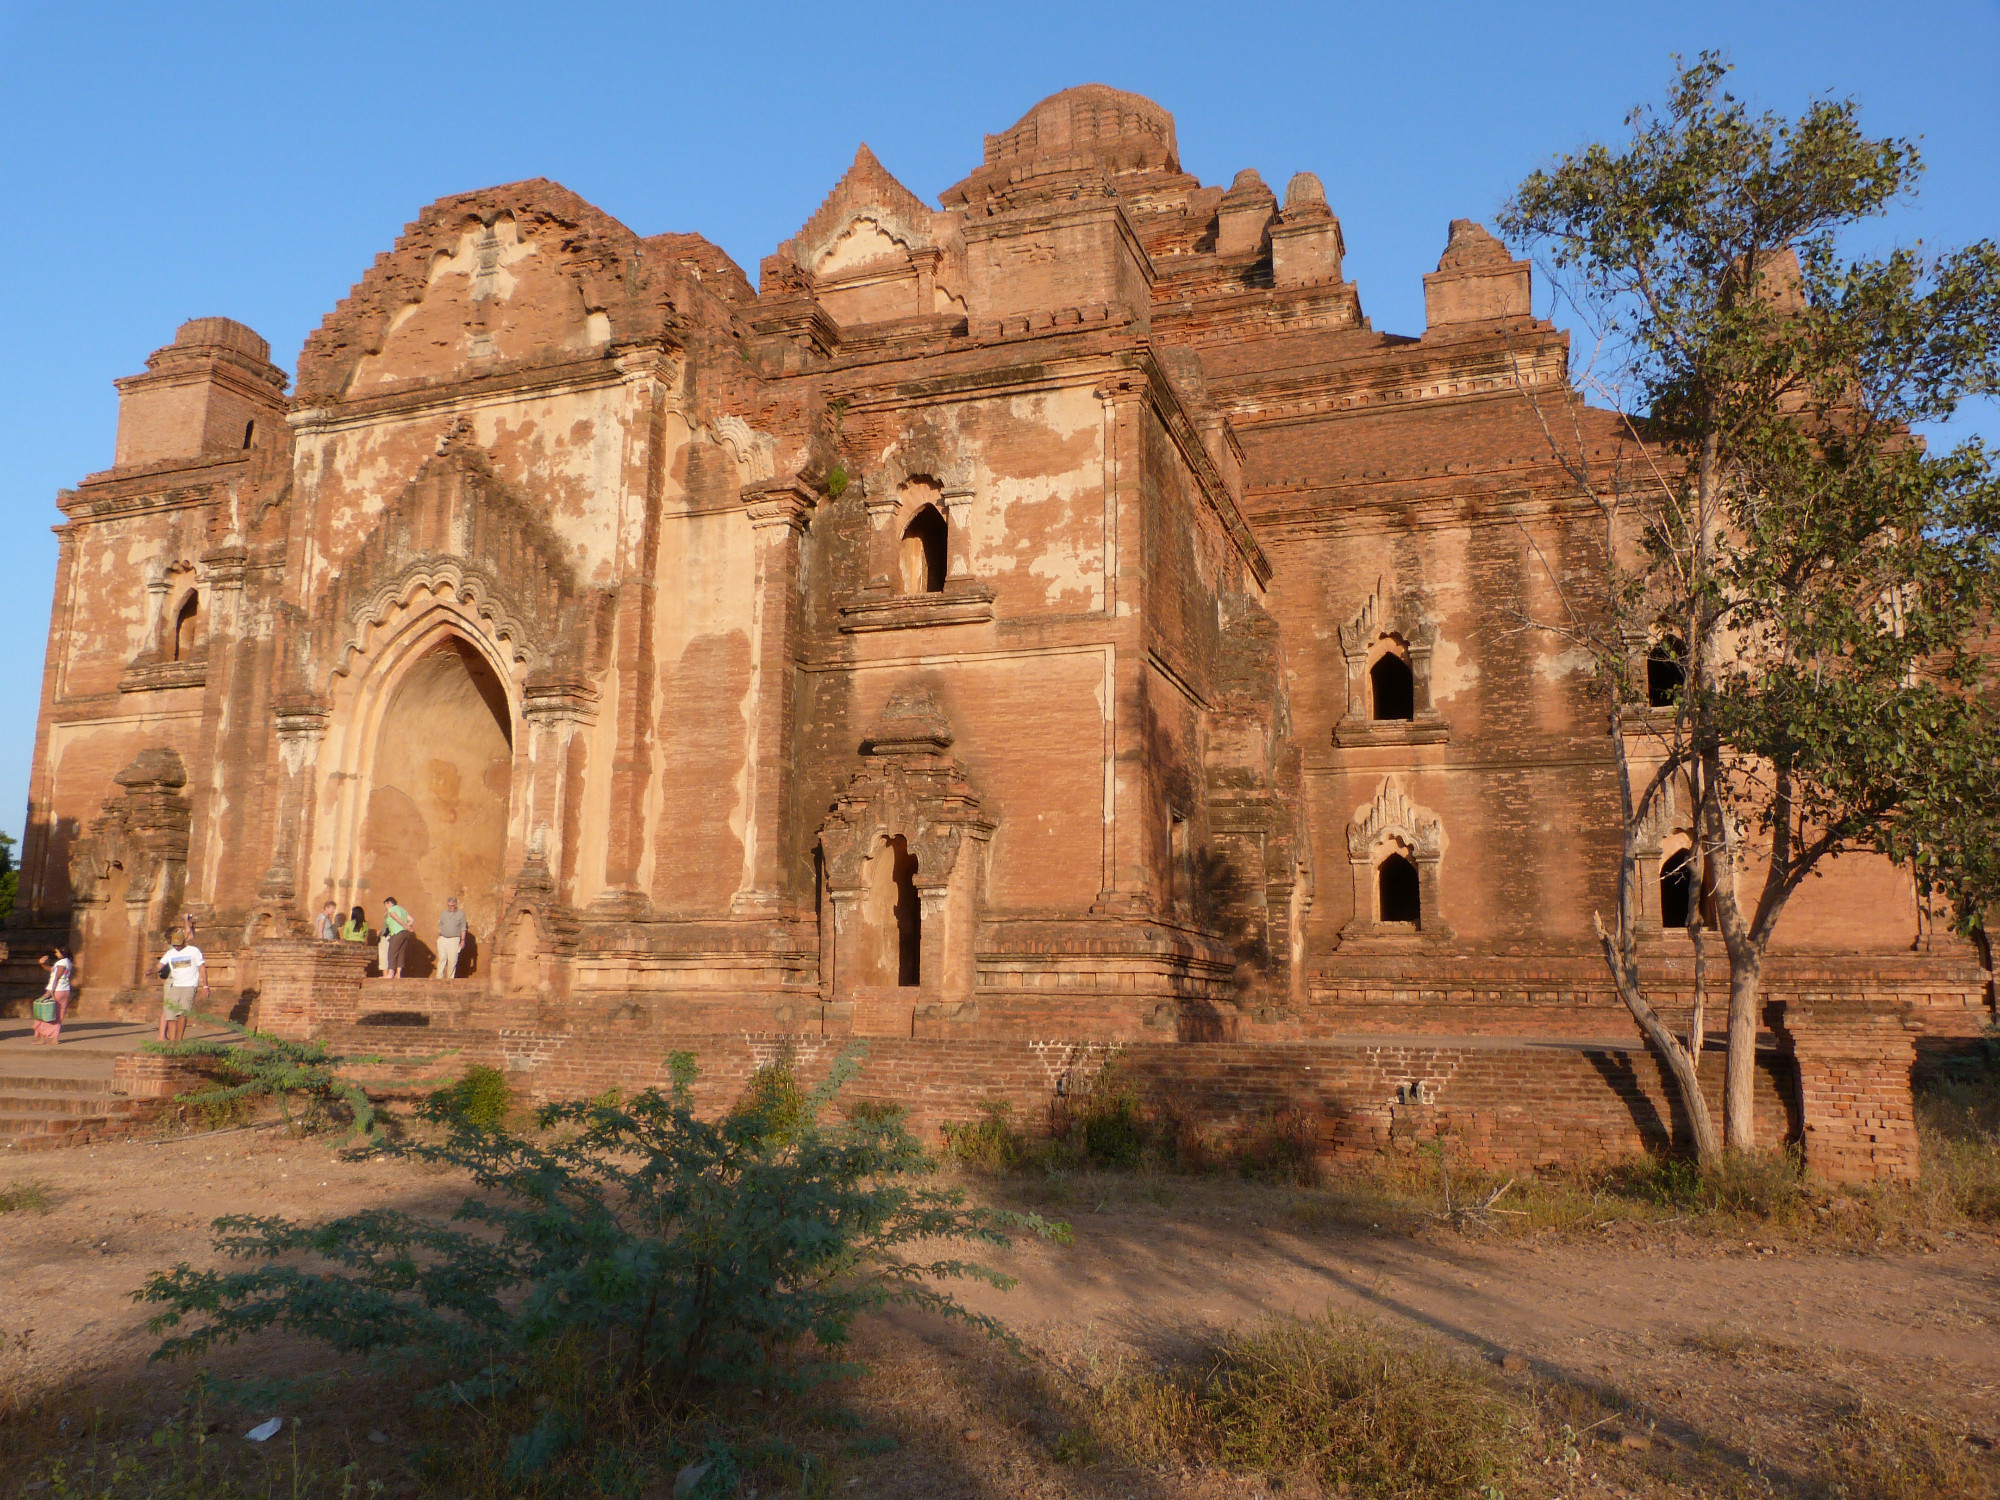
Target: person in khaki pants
x=451 y=938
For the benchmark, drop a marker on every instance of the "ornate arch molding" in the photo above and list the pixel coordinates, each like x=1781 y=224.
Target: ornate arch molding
x=143 y=831
x=1393 y=823
x=458 y=531
x=1665 y=830
x=1389 y=621
x=892 y=501
x=755 y=452
x=909 y=786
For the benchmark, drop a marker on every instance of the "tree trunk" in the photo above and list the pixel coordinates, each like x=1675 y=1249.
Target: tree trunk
x=1682 y=1063
x=1739 y=1124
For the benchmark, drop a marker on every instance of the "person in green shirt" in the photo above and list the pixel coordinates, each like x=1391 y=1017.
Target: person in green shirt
x=396 y=925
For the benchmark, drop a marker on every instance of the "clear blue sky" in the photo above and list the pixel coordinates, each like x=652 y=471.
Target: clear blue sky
x=168 y=161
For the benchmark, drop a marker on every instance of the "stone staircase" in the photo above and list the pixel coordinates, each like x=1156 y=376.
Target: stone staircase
x=39 y=1112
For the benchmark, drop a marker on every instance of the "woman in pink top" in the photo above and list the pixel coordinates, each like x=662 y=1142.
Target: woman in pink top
x=60 y=971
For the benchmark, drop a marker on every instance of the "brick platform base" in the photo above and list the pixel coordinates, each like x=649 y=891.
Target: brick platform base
x=1834 y=1077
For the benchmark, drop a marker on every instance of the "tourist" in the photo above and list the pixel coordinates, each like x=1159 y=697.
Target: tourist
x=55 y=993
x=396 y=925
x=451 y=938
x=326 y=927
x=355 y=929
x=185 y=971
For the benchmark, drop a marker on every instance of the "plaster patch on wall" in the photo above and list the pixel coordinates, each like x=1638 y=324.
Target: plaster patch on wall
x=1452 y=671
x=1570 y=662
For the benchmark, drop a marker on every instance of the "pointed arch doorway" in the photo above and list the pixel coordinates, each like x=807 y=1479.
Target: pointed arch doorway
x=435 y=819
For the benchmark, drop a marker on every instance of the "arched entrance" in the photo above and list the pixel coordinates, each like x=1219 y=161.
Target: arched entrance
x=435 y=821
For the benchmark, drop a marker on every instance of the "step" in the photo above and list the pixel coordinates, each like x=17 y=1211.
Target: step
x=53 y=1082
x=51 y=1102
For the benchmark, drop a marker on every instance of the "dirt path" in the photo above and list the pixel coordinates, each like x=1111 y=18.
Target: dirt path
x=1736 y=1352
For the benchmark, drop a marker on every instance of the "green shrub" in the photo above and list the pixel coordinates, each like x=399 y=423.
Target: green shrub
x=989 y=1143
x=481 y=1098
x=1105 y=1124
x=774 y=1098
x=624 y=1266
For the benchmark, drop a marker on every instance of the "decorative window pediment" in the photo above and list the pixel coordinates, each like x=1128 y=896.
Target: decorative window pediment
x=1385 y=837
x=1385 y=704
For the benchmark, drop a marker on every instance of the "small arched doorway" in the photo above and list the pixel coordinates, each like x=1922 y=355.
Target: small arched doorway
x=435 y=822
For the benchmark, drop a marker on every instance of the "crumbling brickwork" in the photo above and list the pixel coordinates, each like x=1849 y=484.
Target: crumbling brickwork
x=1054 y=617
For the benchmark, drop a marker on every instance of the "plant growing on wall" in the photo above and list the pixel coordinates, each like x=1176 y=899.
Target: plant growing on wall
x=1811 y=572
x=256 y=1065
x=626 y=1258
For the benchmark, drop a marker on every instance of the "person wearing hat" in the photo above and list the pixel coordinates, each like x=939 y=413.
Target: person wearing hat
x=186 y=974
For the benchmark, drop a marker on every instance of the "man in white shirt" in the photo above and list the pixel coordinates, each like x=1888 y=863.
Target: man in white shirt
x=186 y=973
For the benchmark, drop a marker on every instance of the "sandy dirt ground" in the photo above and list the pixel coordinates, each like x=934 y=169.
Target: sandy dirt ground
x=1716 y=1364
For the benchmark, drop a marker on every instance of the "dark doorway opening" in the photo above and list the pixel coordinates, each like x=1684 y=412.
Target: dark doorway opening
x=1664 y=675
x=909 y=914
x=924 y=552
x=1398 y=894
x=1676 y=889
x=1393 y=688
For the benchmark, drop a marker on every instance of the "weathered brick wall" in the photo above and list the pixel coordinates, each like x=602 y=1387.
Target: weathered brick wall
x=1854 y=1067
x=308 y=986
x=1509 y=1106
x=146 y=1075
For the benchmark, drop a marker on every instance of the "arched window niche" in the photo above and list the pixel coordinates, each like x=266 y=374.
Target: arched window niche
x=1387 y=648
x=1395 y=849
x=919 y=551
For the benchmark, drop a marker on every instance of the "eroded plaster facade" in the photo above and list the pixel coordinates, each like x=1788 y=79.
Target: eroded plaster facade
x=979 y=628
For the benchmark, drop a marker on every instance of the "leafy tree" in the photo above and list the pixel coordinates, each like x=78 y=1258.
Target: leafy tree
x=667 y=1256
x=1817 y=576
x=10 y=876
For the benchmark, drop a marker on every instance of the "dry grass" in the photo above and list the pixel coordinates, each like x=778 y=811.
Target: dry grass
x=1764 y=1197
x=1876 y=1452
x=1341 y=1400
x=28 y=1194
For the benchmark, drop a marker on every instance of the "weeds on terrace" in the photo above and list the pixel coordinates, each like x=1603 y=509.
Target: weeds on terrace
x=1109 y=1125
x=250 y=1065
x=1360 y=1410
x=618 y=1272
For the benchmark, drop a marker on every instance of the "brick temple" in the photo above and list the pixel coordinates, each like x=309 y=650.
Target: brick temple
x=1049 y=622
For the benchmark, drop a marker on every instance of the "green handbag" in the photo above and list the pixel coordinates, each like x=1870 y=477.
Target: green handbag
x=45 y=1010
